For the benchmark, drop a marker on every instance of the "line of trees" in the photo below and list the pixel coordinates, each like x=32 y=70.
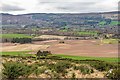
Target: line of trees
x=17 y=40
x=21 y=40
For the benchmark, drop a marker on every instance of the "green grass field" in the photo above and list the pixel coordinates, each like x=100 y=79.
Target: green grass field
x=14 y=36
x=114 y=23
x=24 y=53
x=65 y=30
x=87 y=33
x=102 y=23
x=16 y=53
x=110 y=41
x=107 y=59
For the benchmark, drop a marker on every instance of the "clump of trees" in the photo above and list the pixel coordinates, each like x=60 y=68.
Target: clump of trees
x=21 y=40
x=43 y=53
x=61 y=42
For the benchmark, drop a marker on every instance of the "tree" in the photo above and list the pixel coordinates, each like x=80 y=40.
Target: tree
x=39 y=53
x=43 y=53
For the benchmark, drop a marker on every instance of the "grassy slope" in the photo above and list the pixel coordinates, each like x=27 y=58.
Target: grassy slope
x=88 y=58
x=23 y=53
x=14 y=36
x=16 y=53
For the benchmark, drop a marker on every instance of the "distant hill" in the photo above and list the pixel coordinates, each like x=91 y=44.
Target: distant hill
x=58 y=20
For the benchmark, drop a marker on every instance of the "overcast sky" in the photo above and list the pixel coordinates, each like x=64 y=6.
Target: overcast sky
x=57 y=6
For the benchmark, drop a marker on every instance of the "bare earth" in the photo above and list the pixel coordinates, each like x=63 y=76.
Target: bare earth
x=22 y=47
x=91 y=48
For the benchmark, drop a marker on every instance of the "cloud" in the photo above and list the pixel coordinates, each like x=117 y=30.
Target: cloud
x=75 y=6
x=47 y=1
x=7 y=8
x=58 y=6
x=64 y=6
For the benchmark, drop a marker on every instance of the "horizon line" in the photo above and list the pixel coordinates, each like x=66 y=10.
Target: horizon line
x=61 y=12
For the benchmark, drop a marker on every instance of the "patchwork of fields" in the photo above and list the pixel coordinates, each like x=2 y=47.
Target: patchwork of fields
x=74 y=49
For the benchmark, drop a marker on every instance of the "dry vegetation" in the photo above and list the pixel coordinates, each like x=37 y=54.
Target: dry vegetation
x=51 y=37
x=51 y=68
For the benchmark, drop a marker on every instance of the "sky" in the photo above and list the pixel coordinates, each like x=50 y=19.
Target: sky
x=57 y=6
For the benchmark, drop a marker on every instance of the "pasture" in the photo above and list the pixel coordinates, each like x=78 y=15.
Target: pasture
x=16 y=53
x=87 y=33
x=112 y=23
x=107 y=59
x=14 y=36
x=25 y=53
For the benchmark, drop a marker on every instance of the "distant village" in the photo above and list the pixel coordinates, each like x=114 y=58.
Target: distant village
x=61 y=24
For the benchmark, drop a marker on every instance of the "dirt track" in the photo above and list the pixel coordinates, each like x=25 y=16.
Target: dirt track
x=70 y=47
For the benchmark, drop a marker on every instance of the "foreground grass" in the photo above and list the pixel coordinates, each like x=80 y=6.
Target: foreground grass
x=107 y=59
x=14 y=36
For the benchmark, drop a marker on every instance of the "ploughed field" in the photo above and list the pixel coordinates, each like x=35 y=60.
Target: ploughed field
x=90 y=48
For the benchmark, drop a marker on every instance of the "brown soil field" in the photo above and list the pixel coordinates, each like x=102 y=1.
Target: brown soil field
x=22 y=47
x=91 y=48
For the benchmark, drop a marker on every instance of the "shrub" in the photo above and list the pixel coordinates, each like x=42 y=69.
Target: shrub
x=56 y=75
x=39 y=71
x=84 y=69
x=14 y=70
x=60 y=66
x=113 y=74
x=61 y=42
x=102 y=66
x=73 y=76
x=27 y=70
x=43 y=53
